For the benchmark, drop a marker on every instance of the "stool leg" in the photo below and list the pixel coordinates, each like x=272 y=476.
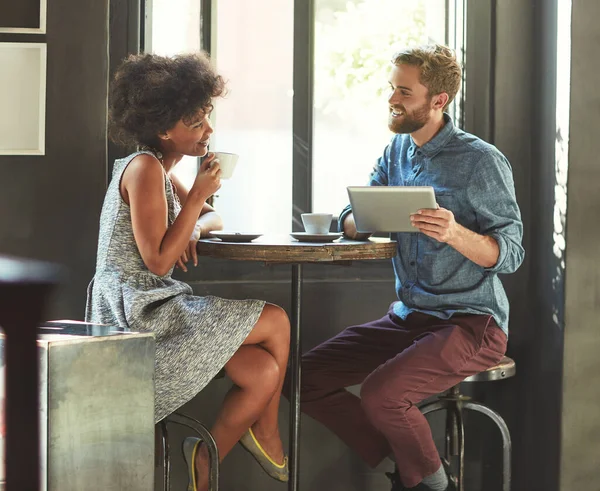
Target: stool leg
x=451 y=431
x=455 y=433
x=507 y=446
x=166 y=456
x=460 y=443
x=209 y=441
x=450 y=408
x=438 y=406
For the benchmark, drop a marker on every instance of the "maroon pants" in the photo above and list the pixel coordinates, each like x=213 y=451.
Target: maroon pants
x=399 y=363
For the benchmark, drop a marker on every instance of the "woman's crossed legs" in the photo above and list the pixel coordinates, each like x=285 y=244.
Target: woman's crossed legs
x=257 y=370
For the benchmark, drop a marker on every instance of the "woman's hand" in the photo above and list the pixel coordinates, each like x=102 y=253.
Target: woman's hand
x=208 y=179
x=190 y=251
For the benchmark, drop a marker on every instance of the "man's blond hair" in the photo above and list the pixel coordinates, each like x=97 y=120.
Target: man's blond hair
x=439 y=69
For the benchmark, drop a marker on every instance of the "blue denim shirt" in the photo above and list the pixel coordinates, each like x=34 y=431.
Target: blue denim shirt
x=474 y=180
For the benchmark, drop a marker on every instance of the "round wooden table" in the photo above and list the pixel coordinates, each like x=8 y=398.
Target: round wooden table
x=286 y=250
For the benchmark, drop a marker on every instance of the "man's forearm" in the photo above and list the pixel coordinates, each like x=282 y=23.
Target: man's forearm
x=350 y=229
x=208 y=222
x=481 y=249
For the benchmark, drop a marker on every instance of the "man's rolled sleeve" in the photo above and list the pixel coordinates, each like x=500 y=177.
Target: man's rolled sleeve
x=345 y=212
x=491 y=191
x=503 y=255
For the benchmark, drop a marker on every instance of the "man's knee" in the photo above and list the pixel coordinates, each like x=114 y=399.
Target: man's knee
x=311 y=380
x=371 y=400
x=377 y=402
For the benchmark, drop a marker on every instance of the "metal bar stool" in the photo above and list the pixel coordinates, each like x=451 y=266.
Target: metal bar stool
x=454 y=403
x=204 y=434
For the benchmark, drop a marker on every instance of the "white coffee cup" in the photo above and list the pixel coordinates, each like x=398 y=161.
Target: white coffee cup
x=227 y=162
x=317 y=223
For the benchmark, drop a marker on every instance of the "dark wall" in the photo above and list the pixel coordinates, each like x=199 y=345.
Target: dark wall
x=524 y=128
x=22 y=14
x=510 y=123
x=125 y=32
x=50 y=204
x=547 y=273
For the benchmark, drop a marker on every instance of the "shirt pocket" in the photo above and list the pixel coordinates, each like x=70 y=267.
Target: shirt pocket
x=447 y=200
x=456 y=203
x=440 y=266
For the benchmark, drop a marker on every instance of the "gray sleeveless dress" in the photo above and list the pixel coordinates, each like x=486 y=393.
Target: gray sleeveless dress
x=195 y=336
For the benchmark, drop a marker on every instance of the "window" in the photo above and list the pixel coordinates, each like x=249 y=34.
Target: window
x=174 y=27
x=354 y=43
x=252 y=46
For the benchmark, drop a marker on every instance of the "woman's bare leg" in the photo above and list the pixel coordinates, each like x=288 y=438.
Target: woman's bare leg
x=272 y=334
x=257 y=370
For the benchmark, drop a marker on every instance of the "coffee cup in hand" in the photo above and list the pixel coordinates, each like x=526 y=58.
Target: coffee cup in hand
x=227 y=163
x=317 y=223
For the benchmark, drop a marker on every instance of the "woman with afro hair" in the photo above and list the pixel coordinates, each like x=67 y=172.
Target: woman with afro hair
x=150 y=223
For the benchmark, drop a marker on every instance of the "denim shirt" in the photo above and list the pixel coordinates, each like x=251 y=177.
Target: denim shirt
x=474 y=180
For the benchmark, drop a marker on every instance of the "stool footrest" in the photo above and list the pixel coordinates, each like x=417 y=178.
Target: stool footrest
x=454 y=404
x=205 y=435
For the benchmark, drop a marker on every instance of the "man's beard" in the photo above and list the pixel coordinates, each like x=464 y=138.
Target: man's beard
x=409 y=123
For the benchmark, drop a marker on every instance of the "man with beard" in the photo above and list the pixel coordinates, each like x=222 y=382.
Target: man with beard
x=451 y=317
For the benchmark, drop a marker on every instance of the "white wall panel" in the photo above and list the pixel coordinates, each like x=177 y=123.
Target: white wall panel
x=22 y=98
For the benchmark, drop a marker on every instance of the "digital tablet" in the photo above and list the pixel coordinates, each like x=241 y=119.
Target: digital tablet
x=388 y=208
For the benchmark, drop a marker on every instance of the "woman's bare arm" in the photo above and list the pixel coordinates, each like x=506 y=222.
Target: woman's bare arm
x=143 y=187
x=209 y=219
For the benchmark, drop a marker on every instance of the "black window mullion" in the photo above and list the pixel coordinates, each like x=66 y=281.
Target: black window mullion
x=126 y=36
x=492 y=74
x=206 y=25
x=302 y=123
x=479 y=61
x=142 y=25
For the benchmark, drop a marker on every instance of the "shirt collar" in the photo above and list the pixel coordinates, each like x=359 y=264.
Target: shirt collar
x=433 y=146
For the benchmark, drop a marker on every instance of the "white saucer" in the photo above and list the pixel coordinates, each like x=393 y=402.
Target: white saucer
x=306 y=237
x=227 y=236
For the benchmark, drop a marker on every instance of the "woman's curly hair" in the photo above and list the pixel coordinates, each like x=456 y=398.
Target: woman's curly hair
x=151 y=93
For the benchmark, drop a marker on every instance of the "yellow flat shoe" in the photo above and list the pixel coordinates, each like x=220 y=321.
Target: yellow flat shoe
x=279 y=472
x=190 y=447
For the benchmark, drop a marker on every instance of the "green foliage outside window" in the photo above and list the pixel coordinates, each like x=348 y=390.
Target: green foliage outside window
x=355 y=42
